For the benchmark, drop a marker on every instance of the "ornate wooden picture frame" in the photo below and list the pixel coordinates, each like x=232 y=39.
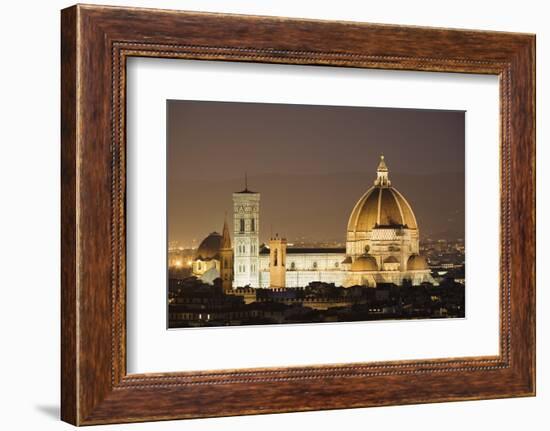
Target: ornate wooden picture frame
x=96 y=41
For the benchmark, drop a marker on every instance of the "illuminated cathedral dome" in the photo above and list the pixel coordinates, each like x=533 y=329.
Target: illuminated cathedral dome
x=210 y=247
x=382 y=206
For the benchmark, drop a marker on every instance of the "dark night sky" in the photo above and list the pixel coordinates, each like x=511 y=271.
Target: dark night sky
x=311 y=164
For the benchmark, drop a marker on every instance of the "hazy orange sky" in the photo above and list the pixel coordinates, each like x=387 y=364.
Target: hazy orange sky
x=310 y=164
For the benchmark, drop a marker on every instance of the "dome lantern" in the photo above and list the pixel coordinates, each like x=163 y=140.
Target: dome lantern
x=382 y=179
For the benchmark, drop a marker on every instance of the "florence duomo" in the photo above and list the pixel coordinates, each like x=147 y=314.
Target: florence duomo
x=351 y=214
x=382 y=246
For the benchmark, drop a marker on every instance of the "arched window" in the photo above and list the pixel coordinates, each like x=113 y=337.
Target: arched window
x=292 y=266
x=241 y=227
x=275 y=257
x=314 y=265
x=252 y=225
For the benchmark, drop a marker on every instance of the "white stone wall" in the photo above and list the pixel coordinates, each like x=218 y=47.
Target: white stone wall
x=308 y=261
x=303 y=278
x=314 y=261
x=350 y=278
x=304 y=268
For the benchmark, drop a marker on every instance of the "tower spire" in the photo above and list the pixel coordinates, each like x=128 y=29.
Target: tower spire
x=382 y=179
x=246 y=189
x=226 y=257
x=226 y=238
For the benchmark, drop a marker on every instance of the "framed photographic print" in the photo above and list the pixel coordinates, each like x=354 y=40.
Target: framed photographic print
x=323 y=214
x=351 y=240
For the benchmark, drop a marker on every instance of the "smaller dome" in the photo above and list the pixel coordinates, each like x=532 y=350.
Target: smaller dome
x=210 y=247
x=364 y=263
x=416 y=262
x=391 y=259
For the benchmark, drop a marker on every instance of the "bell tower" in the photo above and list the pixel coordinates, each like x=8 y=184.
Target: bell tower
x=246 y=228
